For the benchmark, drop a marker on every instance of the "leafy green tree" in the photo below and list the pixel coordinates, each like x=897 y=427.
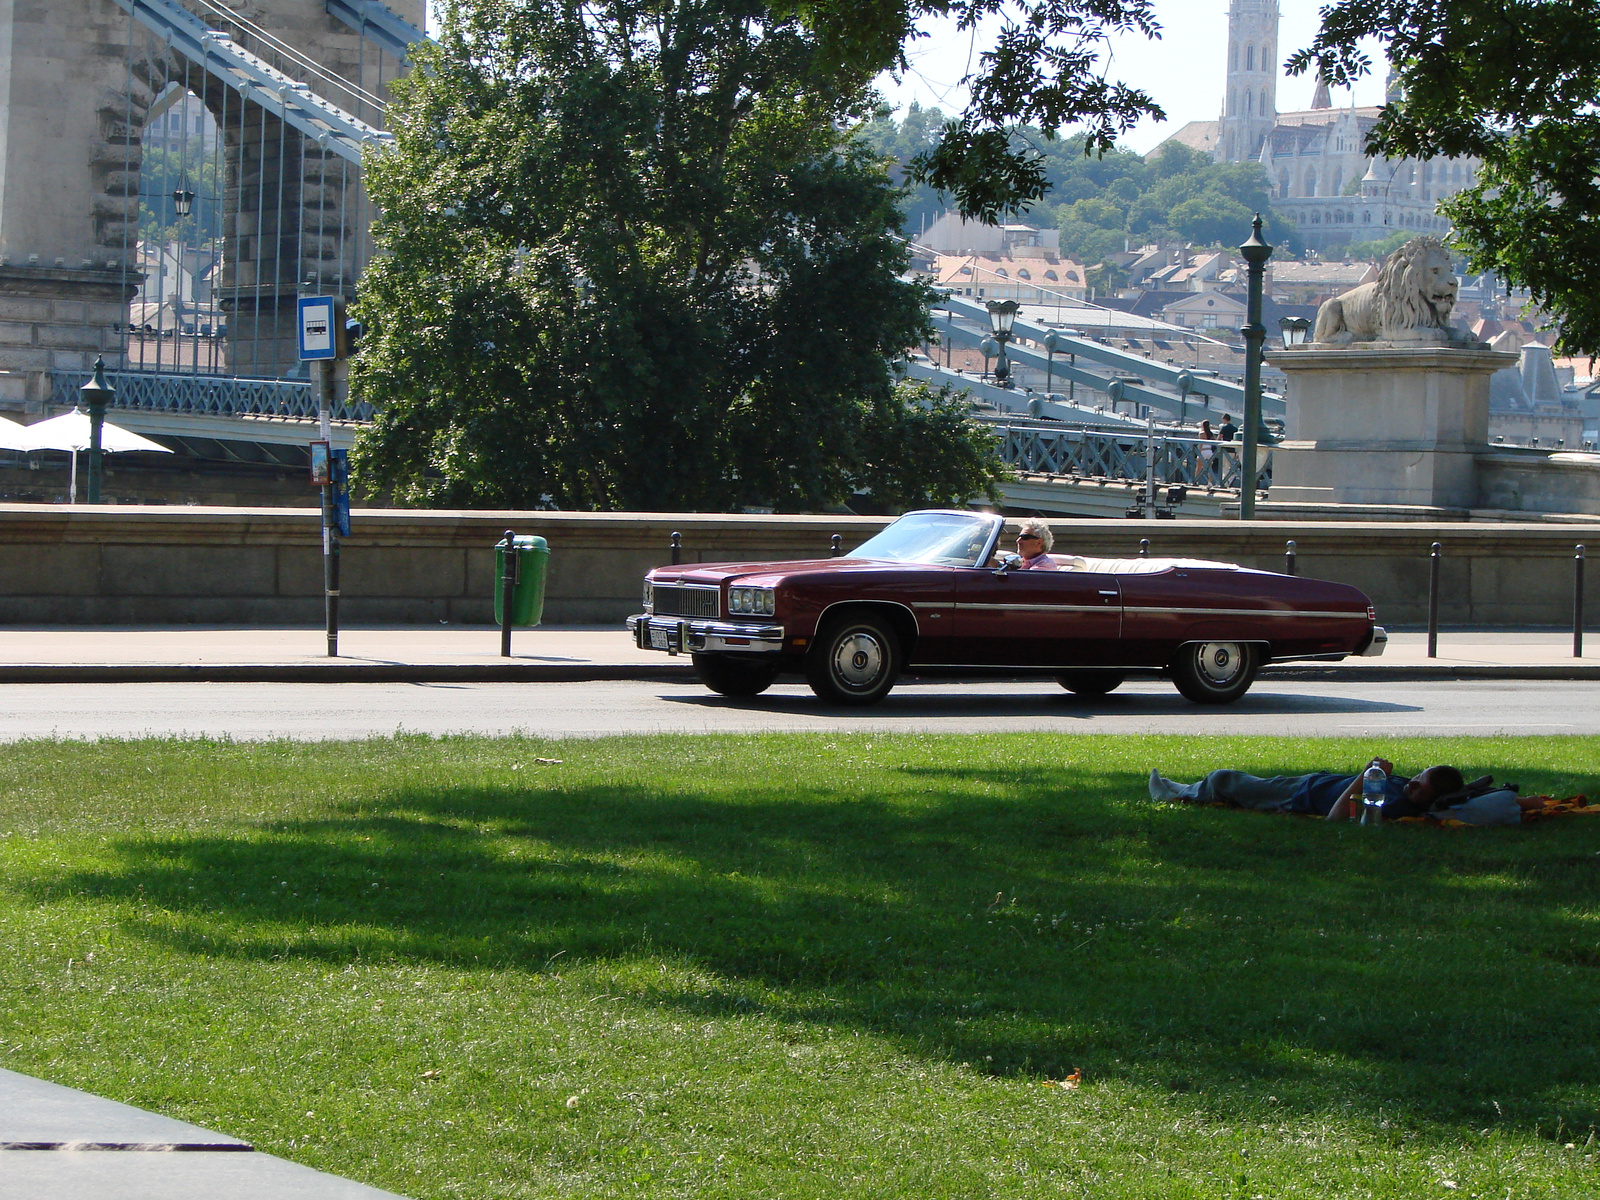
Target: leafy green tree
x=1088 y=243
x=631 y=259
x=1379 y=250
x=900 y=142
x=1210 y=219
x=925 y=452
x=1098 y=212
x=1515 y=83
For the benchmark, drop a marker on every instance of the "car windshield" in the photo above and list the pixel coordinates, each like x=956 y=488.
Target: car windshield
x=942 y=538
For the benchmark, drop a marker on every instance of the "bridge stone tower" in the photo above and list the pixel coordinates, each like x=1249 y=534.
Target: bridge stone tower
x=78 y=79
x=1250 y=103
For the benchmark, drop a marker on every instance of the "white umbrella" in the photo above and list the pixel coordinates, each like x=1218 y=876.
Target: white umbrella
x=70 y=431
x=14 y=436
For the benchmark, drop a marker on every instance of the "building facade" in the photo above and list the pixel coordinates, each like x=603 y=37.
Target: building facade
x=1321 y=177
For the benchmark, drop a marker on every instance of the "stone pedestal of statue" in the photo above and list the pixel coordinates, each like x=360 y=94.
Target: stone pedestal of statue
x=1384 y=424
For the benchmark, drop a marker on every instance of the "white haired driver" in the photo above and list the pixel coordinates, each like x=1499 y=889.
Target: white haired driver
x=1033 y=547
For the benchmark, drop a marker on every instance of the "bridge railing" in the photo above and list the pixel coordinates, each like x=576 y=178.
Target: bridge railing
x=1088 y=454
x=207 y=395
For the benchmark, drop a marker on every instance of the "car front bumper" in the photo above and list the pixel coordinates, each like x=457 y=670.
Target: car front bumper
x=677 y=635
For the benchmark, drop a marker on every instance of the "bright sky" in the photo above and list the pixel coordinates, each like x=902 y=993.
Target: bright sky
x=1183 y=71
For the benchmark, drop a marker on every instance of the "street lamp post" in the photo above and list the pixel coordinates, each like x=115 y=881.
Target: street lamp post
x=1002 y=313
x=182 y=205
x=96 y=394
x=1255 y=253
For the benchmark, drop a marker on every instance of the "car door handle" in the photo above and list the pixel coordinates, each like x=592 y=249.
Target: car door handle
x=1106 y=593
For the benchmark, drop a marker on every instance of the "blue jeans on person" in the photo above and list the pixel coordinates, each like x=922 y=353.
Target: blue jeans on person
x=1276 y=794
x=1315 y=793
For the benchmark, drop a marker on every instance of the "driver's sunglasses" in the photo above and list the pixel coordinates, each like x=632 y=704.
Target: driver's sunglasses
x=1029 y=537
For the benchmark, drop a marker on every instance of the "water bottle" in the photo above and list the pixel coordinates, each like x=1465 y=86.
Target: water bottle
x=1372 y=781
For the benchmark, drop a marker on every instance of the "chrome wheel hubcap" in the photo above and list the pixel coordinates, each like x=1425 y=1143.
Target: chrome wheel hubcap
x=858 y=660
x=1220 y=662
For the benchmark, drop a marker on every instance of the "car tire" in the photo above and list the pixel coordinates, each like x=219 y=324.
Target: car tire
x=1215 y=672
x=730 y=675
x=854 y=660
x=1090 y=683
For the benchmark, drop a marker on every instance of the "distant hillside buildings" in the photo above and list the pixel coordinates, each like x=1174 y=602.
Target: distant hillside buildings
x=1321 y=178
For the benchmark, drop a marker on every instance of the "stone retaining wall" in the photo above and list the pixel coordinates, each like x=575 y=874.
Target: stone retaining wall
x=127 y=565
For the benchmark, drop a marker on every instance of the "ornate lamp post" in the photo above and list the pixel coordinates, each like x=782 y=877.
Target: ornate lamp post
x=96 y=394
x=1255 y=253
x=1294 y=331
x=182 y=199
x=1001 y=315
x=1052 y=343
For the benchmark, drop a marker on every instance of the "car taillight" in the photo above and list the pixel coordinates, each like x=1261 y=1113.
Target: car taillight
x=1372 y=613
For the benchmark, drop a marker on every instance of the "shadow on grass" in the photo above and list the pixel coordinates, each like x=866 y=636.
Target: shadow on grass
x=916 y=702
x=1012 y=919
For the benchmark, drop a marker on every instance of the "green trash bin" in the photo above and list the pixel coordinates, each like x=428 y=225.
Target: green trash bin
x=527 y=594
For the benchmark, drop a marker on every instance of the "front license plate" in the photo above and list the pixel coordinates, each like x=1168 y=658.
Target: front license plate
x=660 y=639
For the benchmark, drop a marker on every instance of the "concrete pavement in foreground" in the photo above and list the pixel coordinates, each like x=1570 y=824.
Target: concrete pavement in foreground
x=65 y=1144
x=471 y=654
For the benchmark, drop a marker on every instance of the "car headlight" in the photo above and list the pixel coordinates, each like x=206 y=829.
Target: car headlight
x=649 y=596
x=750 y=601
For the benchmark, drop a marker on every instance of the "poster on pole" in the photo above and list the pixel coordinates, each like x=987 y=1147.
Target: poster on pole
x=321 y=470
x=315 y=330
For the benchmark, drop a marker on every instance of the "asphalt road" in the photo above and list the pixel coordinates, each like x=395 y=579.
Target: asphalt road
x=354 y=710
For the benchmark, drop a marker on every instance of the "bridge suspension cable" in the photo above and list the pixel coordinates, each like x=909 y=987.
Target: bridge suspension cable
x=293 y=101
x=354 y=90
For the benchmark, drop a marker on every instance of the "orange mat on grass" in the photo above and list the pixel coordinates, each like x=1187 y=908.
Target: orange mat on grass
x=1549 y=806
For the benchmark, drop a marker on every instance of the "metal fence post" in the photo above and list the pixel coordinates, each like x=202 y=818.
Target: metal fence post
x=508 y=585
x=677 y=548
x=1433 y=601
x=1144 y=547
x=1289 y=555
x=1577 y=603
x=838 y=545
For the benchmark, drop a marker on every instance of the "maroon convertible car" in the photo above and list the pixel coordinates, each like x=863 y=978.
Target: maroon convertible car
x=931 y=590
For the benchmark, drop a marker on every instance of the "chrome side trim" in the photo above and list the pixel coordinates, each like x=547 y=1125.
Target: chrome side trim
x=1057 y=608
x=1130 y=609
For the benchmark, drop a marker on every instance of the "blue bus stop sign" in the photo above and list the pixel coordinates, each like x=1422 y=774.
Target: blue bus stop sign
x=316 y=333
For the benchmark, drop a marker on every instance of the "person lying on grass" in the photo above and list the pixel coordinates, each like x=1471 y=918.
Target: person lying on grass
x=1322 y=793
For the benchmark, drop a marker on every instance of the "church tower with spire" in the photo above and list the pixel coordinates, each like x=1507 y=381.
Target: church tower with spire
x=1250 y=102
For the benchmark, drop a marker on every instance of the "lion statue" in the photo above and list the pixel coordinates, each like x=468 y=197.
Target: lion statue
x=1410 y=301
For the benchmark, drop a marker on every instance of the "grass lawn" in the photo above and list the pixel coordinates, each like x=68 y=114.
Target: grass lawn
x=810 y=966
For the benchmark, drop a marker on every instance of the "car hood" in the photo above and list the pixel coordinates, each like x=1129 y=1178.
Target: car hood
x=720 y=573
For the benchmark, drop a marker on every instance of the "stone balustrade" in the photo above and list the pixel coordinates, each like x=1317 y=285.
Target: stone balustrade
x=262 y=566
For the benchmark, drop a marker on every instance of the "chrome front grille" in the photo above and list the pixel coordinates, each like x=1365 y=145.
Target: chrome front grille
x=680 y=600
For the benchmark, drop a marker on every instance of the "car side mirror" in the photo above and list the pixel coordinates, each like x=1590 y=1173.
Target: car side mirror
x=1007 y=561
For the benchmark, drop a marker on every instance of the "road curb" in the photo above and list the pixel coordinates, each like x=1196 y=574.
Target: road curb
x=1420 y=673
x=670 y=672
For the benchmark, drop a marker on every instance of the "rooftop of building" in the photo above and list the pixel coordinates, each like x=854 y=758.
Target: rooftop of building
x=1042 y=269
